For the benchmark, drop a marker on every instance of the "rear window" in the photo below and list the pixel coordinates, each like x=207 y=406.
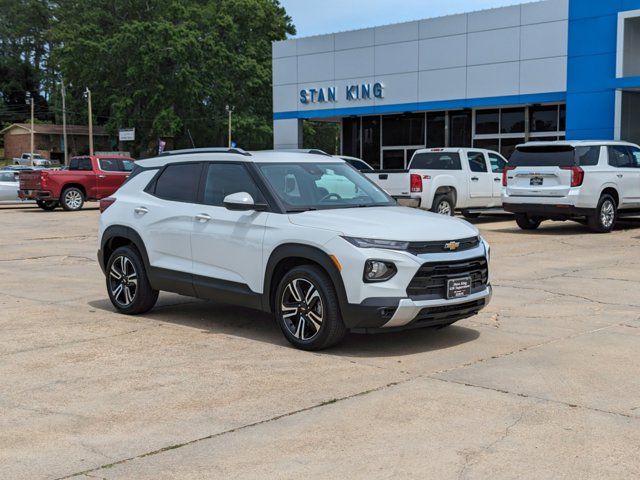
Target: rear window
x=555 y=156
x=179 y=182
x=436 y=161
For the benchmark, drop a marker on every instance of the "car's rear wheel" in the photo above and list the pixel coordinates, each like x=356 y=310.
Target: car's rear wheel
x=307 y=310
x=443 y=205
x=527 y=222
x=127 y=282
x=47 y=205
x=604 y=218
x=72 y=199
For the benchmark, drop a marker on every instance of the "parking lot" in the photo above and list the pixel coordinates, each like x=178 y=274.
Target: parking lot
x=542 y=384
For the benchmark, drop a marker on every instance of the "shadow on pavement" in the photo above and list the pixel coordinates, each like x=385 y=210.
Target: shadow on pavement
x=220 y=319
x=570 y=227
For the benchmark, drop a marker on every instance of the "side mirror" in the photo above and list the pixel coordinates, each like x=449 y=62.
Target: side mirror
x=242 y=202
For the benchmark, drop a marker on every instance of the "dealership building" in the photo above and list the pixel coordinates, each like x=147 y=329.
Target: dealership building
x=492 y=79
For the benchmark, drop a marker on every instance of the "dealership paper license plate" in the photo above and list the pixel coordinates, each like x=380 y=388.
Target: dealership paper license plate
x=459 y=287
x=536 y=181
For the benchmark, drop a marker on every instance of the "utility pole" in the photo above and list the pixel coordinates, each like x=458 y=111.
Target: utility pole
x=30 y=102
x=87 y=95
x=64 y=124
x=230 y=109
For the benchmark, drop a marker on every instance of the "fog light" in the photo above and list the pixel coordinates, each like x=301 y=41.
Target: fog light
x=378 y=271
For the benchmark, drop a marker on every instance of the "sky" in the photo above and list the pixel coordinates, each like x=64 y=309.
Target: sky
x=315 y=17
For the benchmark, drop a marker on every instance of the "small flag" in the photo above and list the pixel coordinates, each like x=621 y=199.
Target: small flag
x=161 y=145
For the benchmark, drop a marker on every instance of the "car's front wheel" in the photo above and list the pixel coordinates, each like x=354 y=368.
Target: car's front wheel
x=307 y=309
x=72 y=199
x=127 y=282
x=604 y=218
x=527 y=222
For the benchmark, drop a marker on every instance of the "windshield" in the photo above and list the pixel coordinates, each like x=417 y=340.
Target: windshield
x=312 y=186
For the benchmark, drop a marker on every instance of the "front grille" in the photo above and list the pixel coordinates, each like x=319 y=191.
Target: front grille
x=448 y=313
x=419 y=248
x=431 y=279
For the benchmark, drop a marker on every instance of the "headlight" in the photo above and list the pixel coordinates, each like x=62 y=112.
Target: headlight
x=378 y=271
x=375 y=243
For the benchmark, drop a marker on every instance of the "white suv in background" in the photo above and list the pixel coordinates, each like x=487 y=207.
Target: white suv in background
x=592 y=180
x=303 y=236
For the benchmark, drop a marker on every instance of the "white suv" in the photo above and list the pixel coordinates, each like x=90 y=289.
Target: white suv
x=303 y=236
x=592 y=180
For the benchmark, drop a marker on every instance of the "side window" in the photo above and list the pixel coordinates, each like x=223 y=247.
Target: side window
x=111 y=165
x=73 y=164
x=227 y=178
x=620 y=157
x=179 y=182
x=635 y=154
x=588 y=156
x=497 y=163
x=477 y=162
x=83 y=164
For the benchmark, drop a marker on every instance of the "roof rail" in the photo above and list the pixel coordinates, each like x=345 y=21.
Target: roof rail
x=312 y=151
x=189 y=151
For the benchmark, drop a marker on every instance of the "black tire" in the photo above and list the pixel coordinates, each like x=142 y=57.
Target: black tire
x=47 y=205
x=604 y=218
x=299 y=322
x=526 y=222
x=72 y=199
x=444 y=205
x=467 y=214
x=143 y=297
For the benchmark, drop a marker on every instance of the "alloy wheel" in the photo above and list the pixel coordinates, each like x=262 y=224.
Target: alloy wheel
x=607 y=214
x=302 y=309
x=73 y=199
x=123 y=281
x=444 y=208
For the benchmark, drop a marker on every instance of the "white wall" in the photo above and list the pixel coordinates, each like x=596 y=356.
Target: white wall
x=507 y=51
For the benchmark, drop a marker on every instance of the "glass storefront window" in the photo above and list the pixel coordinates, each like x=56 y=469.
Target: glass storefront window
x=544 y=118
x=460 y=129
x=393 y=159
x=508 y=146
x=400 y=130
x=563 y=118
x=351 y=137
x=488 y=144
x=512 y=120
x=487 y=122
x=436 y=129
x=371 y=141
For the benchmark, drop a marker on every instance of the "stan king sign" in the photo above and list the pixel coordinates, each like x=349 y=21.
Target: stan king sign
x=364 y=91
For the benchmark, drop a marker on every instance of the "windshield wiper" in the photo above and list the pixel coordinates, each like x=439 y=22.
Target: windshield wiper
x=301 y=209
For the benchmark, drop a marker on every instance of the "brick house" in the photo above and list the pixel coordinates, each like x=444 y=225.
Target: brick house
x=48 y=140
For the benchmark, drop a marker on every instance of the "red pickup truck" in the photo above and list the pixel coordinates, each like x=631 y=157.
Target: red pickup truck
x=87 y=178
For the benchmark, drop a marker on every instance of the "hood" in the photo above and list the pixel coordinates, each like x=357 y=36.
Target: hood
x=387 y=223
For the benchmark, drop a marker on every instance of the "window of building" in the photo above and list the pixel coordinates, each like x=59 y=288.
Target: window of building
x=179 y=182
x=399 y=130
x=351 y=137
x=371 y=141
x=503 y=129
x=460 y=130
x=629 y=56
x=436 y=129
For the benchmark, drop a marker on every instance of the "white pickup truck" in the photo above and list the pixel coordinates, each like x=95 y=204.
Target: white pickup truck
x=37 y=161
x=444 y=180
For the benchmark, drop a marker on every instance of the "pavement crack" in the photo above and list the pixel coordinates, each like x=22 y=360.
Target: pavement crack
x=534 y=397
x=241 y=427
x=567 y=295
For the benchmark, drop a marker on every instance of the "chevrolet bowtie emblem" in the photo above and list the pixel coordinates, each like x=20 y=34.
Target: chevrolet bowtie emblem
x=452 y=246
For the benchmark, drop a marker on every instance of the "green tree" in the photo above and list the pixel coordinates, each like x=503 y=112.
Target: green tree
x=169 y=67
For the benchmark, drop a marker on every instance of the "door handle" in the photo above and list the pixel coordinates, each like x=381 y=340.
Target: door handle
x=620 y=175
x=141 y=210
x=102 y=176
x=474 y=179
x=203 y=217
x=497 y=179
